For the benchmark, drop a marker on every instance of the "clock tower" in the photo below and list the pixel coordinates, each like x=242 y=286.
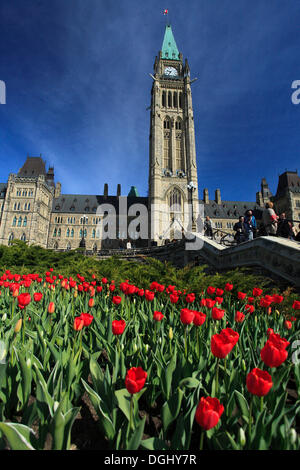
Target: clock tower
x=173 y=188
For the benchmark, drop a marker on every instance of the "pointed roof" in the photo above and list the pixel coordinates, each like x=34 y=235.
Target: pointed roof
x=169 y=48
x=133 y=192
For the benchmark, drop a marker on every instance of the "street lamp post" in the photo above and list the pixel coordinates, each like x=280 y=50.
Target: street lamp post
x=191 y=188
x=82 y=241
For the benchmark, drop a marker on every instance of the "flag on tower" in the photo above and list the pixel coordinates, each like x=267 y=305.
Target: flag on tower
x=165 y=12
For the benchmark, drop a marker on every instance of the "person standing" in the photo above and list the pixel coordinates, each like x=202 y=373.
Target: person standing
x=208 y=227
x=240 y=230
x=284 y=227
x=270 y=219
x=250 y=225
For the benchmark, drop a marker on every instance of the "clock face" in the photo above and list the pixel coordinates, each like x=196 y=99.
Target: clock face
x=171 y=71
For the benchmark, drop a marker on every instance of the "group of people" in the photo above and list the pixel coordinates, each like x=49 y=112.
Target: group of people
x=272 y=224
x=246 y=228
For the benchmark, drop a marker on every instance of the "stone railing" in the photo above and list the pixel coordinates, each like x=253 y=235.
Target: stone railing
x=277 y=255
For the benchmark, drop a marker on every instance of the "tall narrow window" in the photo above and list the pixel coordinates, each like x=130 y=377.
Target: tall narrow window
x=25 y=221
x=178 y=151
x=14 y=221
x=59 y=232
x=175 y=204
x=163 y=99
x=175 y=99
x=167 y=151
x=23 y=237
x=170 y=99
x=20 y=222
x=180 y=101
x=10 y=238
x=55 y=232
x=68 y=232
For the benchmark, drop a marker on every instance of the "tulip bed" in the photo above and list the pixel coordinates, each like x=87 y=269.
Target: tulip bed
x=161 y=368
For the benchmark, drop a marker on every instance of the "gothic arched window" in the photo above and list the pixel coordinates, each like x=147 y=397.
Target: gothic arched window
x=169 y=99
x=20 y=221
x=14 y=221
x=10 y=238
x=23 y=237
x=25 y=221
x=163 y=99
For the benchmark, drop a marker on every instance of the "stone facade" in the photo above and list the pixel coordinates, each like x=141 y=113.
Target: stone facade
x=33 y=208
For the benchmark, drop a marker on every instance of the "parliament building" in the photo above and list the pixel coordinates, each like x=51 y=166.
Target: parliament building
x=33 y=207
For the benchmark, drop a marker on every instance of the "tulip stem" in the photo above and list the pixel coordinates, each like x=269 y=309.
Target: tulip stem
x=217 y=377
x=261 y=403
x=201 y=439
x=131 y=412
x=185 y=342
x=250 y=417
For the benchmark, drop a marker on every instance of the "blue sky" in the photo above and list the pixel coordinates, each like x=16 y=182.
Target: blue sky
x=78 y=85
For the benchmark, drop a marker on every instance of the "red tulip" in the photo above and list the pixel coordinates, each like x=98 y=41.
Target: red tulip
x=91 y=302
x=37 y=296
x=277 y=299
x=149 y=295
x=190 y=298
x=232 y=335
x=174 y=298
x=87 y=318
x=296 y=305
x=257 y=292
x=228 y=287
x=186 y=316
x=211 y=290
x=217 y=313
x=249 y=308
x=221 y=345
x=135 y=379
x=274 y=353
x=199 y=318
x=241 y=295
x=158 y=316
x=210 y=303
x=219 y=292
x=117 y=299
x=265 y=303
x=78 y=323
x=239 y=317
x=51 y=307
x=259 y=382
x=208 y=412
x=24 y=299
x=288 y=324
x=118 y=327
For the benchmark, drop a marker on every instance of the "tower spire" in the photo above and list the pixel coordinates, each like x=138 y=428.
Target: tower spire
x=169 y=47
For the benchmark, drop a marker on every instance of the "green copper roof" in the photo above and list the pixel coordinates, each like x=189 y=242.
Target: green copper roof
x=133 y=192
x=169 y=48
